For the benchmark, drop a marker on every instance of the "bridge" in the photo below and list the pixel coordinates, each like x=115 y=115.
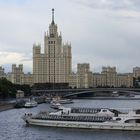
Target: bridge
x=101 y=93
x=87 y=92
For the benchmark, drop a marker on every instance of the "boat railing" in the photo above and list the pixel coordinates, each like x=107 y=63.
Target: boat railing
x=85 y=110
x=73 y=118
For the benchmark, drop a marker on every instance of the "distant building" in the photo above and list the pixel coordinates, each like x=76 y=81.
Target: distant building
x=84 y=76
x=17 y=74
x=73 y=80
x=28 y=79
x=136 y=72
x=54 y=65
x=2 y=72
x=99 y=80
x=109 y=76
x=125 y=80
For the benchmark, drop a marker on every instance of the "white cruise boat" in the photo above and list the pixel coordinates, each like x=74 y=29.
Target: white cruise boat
x=30 y=103
x=61 y=101
x=55 y=105
x=87 y=118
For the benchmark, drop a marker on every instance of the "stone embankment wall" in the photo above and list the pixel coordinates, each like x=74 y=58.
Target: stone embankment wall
x=6 y=106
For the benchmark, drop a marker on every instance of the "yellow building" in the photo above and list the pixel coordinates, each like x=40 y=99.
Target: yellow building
x=17 y=74
x=84 y=76
x=109 y=75
x=73 y=80
x=125 y=80
x=99 y=80
x=28 y=79
x=110 y=78
x=54 y=65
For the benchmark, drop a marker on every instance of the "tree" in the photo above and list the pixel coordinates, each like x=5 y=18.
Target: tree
x=8 y=89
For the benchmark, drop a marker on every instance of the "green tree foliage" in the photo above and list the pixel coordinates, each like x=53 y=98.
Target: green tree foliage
x=25 y=88
x=8 y=89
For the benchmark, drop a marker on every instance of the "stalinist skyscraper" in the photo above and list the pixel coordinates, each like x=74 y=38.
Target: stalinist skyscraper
x=54 y=65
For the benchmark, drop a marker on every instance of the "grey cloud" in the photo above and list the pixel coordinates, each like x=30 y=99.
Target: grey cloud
x=25 y=60
x=111 y=4
x=96 y=38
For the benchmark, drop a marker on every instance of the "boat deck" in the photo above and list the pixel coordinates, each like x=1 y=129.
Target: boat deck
x=85 y=110
x=73 y=118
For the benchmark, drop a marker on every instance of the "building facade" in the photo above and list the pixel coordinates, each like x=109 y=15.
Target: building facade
x=2 y=72
x=109 y=74
x=110 y=78
x=136 y=72
x=73 y=80
x=84 y=76
x=17 y=74
x=54 y=65
x=28 y=79
x=99 y=80
x=125 y=80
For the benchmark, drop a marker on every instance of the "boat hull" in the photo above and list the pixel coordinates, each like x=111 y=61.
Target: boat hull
x=84 y=125
x=30 y=105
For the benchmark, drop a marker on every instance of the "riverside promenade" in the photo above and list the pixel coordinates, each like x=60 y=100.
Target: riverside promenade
x=6 y=106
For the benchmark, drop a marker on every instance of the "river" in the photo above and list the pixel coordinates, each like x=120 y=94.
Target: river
x=12 y=127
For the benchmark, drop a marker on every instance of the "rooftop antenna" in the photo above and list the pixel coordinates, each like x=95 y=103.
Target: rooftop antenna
x=52 y=15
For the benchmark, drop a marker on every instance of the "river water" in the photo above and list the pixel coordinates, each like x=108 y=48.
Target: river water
x=12 y=127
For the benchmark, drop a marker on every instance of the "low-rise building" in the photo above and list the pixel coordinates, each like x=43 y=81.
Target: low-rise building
x=20 y=94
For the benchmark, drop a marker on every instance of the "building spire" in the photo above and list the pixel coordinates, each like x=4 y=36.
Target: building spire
x=52 y=15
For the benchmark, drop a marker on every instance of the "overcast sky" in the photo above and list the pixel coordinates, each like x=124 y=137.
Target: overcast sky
x=102 y=32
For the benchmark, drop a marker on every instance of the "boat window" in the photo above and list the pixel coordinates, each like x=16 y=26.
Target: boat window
x=104 y=110
x=133 y=121
x=118 y=119
x=137 y=111
x=138 y=121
